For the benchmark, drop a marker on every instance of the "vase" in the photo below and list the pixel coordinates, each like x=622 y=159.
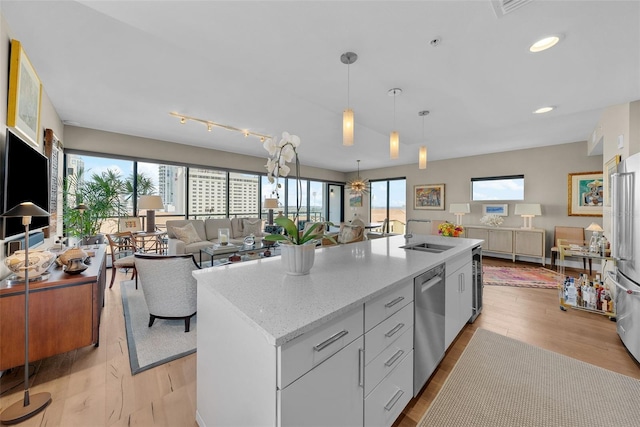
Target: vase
x=297 y=260
x=39 y=262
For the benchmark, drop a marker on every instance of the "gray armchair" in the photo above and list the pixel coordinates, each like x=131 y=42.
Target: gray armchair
x=169 y=287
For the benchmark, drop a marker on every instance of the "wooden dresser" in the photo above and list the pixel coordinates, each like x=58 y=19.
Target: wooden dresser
x=64 y=313
x=529 y=242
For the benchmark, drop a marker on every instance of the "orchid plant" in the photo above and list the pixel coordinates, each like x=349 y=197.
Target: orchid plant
x=281 y=153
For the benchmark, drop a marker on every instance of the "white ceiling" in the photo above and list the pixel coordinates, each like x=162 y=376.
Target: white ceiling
x=274 y=66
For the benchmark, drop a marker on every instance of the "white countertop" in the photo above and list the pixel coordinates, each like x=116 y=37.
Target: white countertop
x=283 y=307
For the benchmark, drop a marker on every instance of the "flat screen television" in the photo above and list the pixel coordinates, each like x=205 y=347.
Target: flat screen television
x=25 y=179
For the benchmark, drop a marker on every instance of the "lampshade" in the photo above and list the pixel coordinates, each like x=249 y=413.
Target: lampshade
x=25 y=209
x=347 y=127
x=422 y=158
x=594 y=227
x=394 y=145
x=150 y=202
x=528 y=209
x=459 y=208
x=81 y=207
x=270 y=203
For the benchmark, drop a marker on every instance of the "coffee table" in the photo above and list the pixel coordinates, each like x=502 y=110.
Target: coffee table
x=240 y=252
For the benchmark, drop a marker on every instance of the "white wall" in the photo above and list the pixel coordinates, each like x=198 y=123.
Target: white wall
x=545 y=170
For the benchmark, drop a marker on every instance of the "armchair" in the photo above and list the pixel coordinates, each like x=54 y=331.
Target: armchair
x=170 y=290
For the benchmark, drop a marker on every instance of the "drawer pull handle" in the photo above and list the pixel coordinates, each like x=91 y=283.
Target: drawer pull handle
x=394 y=302
x=361 y=367
x=333 y=338
x=394 y=358
x=394 y=330
x=393 y=400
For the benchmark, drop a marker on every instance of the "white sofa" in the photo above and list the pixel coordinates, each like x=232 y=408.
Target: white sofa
x=207 y=233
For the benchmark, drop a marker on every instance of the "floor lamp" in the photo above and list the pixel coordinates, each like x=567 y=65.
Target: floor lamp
x=30 y=405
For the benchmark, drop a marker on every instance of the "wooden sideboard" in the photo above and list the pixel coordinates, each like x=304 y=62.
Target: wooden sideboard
x=529 y=242
x=64 y=313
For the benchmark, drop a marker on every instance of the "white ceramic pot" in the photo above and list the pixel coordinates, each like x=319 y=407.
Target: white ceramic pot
x=39 y=262
x=297 y=260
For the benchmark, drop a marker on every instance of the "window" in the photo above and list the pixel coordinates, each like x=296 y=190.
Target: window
x=498 y=188
x=389 y=200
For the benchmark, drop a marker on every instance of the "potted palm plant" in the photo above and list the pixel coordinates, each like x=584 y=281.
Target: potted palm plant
x=101 y=197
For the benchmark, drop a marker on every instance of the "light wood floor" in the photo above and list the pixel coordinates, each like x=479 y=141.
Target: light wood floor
x=94 y=386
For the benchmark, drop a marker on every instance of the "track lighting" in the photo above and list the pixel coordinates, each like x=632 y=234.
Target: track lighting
x=209 y=124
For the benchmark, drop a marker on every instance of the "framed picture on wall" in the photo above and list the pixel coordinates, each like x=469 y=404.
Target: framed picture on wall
x=610 y=167
x=428 y=196
x=24 y=97
x=585 y=194
x=355 y=200
x=495 y=209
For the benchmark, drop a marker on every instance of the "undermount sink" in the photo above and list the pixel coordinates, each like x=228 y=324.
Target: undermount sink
x=427 y=247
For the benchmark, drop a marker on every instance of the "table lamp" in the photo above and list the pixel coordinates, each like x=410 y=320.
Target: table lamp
x=270 y=204
x=459 y=209
x=151 y=203
x=30 y=405
x=527 y=211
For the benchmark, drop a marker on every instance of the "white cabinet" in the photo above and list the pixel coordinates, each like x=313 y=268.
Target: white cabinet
x=511 y=241
x=331 y=394
x=458 y=295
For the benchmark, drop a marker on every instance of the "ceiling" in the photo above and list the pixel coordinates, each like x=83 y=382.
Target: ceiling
x=274 y=66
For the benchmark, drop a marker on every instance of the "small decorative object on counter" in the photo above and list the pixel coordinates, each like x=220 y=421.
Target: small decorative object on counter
x=69 y=254
x=75 y=266
x=492 y=220
x=250 y=240
x=450 y=230
x=39 y=262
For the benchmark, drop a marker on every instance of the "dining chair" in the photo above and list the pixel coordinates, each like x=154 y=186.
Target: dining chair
x=122 y=246
x=572 y=235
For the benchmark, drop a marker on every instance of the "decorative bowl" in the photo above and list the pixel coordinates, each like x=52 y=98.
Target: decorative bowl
x=75 y=266
x=39 y=262
x=71 y=253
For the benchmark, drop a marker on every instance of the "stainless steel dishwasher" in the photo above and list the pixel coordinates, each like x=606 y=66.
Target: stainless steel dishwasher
x=428 y=338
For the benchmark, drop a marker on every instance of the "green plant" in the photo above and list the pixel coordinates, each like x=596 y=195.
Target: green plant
x=293 y=236
x=103 y=196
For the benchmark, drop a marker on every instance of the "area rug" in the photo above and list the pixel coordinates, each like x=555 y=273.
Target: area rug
x=163 y=342
x=522 y=277
x=501 y=382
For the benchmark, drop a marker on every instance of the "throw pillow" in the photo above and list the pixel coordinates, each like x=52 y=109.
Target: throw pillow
x=252 y=226
x=187 y=234
x=347 y=234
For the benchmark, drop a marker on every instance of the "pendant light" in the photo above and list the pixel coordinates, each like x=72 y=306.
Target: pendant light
x=394 y=138
x=358 y=185
x=347 y=116
x=422 y=155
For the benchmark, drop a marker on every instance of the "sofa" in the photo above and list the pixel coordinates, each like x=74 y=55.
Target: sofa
x=188 y=236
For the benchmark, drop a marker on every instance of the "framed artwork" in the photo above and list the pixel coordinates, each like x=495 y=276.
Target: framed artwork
x=428 y=196
x=609 y=168
x=355 y=200
x=24 y=97
x=493 y=209
x=585 y=195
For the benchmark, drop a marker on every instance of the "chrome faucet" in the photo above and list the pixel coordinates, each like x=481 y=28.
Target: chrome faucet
x=409 y=235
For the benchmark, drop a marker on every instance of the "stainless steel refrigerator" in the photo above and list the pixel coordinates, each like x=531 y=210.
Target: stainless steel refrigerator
x=625 y=245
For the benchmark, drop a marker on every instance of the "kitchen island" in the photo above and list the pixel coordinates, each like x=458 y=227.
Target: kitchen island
x=335 y=346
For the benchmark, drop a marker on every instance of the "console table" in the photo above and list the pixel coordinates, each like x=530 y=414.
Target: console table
x=64 y=313
x=528 y=242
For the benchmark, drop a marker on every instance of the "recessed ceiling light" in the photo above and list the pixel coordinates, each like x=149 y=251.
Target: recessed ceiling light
x=544 y=44
x=543 y=110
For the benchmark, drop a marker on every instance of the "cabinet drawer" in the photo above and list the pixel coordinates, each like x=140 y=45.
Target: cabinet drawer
x=387 y=360
x=457 y=262
x=383 y=306
x=387 y=332
x=306 y=351
x=388 y=399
